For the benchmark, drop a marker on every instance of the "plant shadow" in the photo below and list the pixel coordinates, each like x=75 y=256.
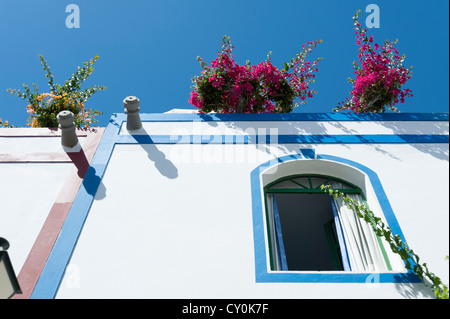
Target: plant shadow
x=411 y=290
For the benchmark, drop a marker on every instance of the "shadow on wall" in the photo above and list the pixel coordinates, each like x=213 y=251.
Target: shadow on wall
x=91 y=181
x=253 y=131
x=93 y=184
x=162 y=164
x=439 y=151
x=413 y=290
x=375 y=146
x=311 y=127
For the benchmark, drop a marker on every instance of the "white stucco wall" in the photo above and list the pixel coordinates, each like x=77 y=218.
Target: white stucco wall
x=28 y=190
x=175 y=221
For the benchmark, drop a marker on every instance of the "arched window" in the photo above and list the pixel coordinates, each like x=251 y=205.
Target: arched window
x=309 y=230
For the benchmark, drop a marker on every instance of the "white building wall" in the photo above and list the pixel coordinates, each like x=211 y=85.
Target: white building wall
x=175 y=221
x=38 y=180
x=25 y=203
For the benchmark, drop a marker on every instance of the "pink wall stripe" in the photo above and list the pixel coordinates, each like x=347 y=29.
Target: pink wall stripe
x=42 y=132
x=53 y=157
x=35 y=262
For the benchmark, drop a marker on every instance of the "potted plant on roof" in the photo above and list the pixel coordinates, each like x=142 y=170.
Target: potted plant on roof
x=44 y=107
x=379 y=76
x=227 y=87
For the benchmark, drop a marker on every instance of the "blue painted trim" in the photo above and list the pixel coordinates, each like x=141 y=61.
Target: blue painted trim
x=281 y=253
x=341 y=239
x=53 y=272
x=262 y=274
x=282 y=139
x=180 y=117
x=309 y=153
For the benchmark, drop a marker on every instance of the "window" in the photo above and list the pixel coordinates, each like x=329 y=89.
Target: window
x=309 y=230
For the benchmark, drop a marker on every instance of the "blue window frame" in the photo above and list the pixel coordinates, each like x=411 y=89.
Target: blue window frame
x=311 y=239
x=265 y=272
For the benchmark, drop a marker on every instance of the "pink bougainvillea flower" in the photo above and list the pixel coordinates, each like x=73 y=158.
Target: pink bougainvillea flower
x=379 y=77
x=227 y=87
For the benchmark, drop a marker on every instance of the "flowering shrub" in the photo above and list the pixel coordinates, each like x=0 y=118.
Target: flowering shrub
x=226 y=87
x=43 y=108
x=5 y=124
x=380 y=77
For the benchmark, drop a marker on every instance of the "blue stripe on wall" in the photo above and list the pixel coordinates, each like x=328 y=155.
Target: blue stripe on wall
x=282 y=139
x=182 y=117
x=53 y=272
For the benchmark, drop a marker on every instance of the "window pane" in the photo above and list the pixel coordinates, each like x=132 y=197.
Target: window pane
x=284 y=184
x=310 y=182
x=339 y=185
x=303 y=181
x=317 y=181
x=302 y=218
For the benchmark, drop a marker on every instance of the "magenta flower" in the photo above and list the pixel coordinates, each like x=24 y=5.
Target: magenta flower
x=227 y=87
x=379 y=77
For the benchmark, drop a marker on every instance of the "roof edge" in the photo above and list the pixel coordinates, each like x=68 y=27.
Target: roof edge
x=321 y=117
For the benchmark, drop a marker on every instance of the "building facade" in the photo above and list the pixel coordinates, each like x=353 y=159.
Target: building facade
x=226 y=206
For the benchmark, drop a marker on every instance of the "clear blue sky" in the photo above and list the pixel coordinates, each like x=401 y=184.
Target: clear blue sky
x=148 y=48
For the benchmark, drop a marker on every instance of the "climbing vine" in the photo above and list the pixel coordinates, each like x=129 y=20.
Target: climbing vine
x=398 y=246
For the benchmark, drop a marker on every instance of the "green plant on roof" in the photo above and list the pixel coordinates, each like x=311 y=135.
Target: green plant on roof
x=44 y=107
